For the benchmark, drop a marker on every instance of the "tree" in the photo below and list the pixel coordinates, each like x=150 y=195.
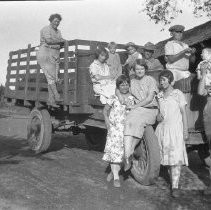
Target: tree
x=164 y=11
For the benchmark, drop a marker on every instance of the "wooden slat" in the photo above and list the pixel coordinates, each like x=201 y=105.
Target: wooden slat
x=27 y=73
x=70 y=54
x=21 y=51
x=38 y=84
x=17 y=70
x=65 y=90
x=76 y=79
x=71 y=65
x=32 y=58
x=24 y=67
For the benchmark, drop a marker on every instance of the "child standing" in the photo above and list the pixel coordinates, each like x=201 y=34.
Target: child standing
x=114 y=61
x=205 y=63
x=204 y=89
x=172 y=129
x=114 y=114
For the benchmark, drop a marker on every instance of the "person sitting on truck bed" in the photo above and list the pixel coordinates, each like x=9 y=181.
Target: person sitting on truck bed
x=48 y=56
x=114 y=61
x=152 y=63
x=104 y=84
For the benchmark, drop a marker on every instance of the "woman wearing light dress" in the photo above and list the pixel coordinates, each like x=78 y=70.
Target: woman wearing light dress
x=172 y=129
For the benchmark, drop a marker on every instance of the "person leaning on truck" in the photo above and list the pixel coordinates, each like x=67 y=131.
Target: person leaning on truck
x=48 y=56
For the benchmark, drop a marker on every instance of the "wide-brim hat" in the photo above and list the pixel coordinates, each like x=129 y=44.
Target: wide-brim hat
x=177 y=28
x=149 y=46
x=131 y=44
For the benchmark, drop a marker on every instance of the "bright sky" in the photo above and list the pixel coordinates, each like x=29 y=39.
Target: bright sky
x=101 y=20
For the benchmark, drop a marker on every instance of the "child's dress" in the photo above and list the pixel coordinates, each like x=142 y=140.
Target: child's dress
x=114 y=65
x=114 y=148
x=104 y=88
x=208 y=72
x=170 y=130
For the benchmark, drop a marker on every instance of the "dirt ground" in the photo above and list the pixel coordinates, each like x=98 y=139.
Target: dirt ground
x=71 y=177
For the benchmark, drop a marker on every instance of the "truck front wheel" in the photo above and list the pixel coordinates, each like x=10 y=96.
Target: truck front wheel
x=39 y=130
x=146 y=164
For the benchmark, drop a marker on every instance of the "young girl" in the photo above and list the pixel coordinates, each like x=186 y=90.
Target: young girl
x=103 y=82
x=206 y=63
x=133 y=55
x=114 y=114
x=205 y=90
x=172 y=129
x=114 y=61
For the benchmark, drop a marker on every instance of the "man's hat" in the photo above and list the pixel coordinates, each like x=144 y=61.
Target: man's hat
x=131 y=44
x=149 y=46
x=177 y=28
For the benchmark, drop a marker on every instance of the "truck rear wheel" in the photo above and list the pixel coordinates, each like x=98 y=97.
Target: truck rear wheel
x=146 y=164
x=95 y=138
x=39 y=130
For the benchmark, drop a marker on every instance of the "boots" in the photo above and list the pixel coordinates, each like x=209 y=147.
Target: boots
x=51 y=99
x=208 y=163
x=55 y=92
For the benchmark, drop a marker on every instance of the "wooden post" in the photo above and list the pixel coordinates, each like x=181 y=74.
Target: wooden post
x=8 y=75
x=27 y=74
x=17 y=71
x=37 y=85
x=66 y=86
x=76 y=73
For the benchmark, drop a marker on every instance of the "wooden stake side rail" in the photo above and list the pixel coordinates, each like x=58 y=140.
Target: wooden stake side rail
x=26 y=80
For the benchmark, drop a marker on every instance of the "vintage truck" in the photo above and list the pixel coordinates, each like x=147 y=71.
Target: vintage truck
x=81 y=111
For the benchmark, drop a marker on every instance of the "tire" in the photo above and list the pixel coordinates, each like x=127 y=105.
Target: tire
x=146 y=163
x=95 y=138
x=39 y=130
x=203 y=152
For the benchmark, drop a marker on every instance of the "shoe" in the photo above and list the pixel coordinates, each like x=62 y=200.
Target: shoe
x=128 y=163
x=117 y=183
x=53 y=104
x=175 y=193
x=207 y=191
x=58 y=99
x=110 y=177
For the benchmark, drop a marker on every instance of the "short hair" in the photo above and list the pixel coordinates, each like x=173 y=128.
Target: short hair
x=99 y=51
x=207 y=53
x=112 y=44
x=168 y=74
x=121 y=79
x=140 y=62
x=53 y=16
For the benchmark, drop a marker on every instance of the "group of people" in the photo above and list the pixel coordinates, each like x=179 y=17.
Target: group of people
x=134 y=100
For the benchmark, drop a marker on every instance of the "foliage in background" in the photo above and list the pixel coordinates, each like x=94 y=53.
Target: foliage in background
x=164 y=11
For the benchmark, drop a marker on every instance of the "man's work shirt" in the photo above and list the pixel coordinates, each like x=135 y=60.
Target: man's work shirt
x=180 y=67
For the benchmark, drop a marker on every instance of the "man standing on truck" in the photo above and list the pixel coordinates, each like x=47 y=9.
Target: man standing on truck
x=178 y=54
